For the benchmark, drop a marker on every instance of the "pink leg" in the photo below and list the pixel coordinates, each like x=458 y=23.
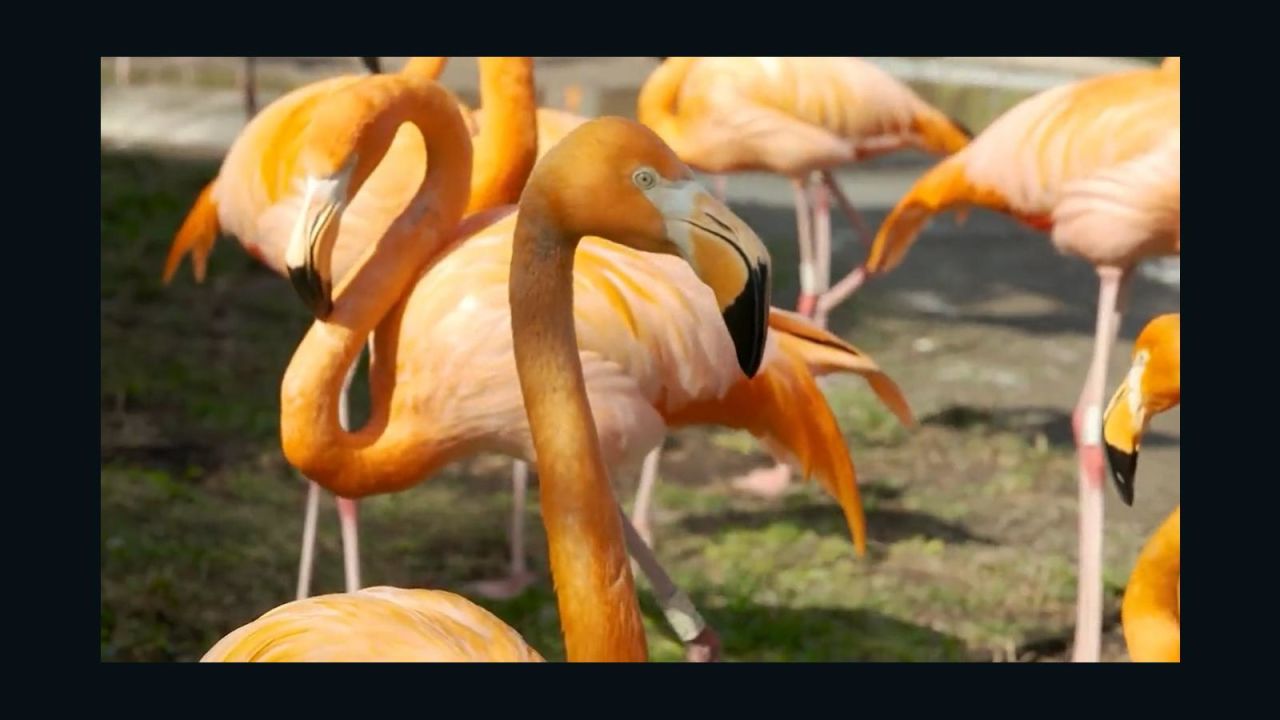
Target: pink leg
x=350 y=543
x=307 y=561
x=720 y=186
x=642 y=511
x=519 y=578
x=804 y=237
x=850 y=283
x=1087 y=423
x=701 y=643
x=346 y=515
x=347 y=518
x=821 y=247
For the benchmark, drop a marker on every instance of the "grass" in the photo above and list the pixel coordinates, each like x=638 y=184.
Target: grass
x=971 y=522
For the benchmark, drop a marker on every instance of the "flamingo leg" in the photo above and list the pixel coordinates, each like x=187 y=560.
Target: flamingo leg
x=821 y=247
x=804 y=238
x=850 y=283
x=250 y=81
x=701 y=643
x=642 y=510
x=519 y=579
x=307 y=561
x=346 y=515
x=1087 y=423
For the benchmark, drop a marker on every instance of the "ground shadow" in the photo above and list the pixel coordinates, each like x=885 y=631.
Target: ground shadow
x=1027 y=422
x=885 y=525
x=753 y=632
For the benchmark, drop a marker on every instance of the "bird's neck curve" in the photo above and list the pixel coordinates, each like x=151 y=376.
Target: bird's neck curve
x=424 y=68
x=658 y=101
x=506 y=147
x=383 y=456
x=595 y=591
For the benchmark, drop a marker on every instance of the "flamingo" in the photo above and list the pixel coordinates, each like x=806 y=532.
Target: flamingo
x=642 y=321
x=652 y=205
x=511 y=96
x=656 y=207
x=793 y=117
x=1151 y=612
x=1096 y=163
x=377 y=624
x=254 y=197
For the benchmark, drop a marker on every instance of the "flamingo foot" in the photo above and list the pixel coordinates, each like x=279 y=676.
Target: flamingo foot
x=703 y=648
x=505 y=588
x=767 y=483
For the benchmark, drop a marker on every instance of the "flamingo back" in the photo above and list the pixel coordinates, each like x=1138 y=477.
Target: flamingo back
x=378 y=624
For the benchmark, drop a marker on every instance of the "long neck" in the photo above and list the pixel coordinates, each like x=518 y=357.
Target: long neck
x=656 y=106
x=382 y=456
x=507 y=144
x=594 y=588
x=424 y=68
x=1151 y=615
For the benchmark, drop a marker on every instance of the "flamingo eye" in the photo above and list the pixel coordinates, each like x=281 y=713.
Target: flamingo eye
x=645 y=178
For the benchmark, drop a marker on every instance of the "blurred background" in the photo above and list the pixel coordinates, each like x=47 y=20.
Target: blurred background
x=971 y=515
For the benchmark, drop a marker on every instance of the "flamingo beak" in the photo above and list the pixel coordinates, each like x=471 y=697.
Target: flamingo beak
x=1122 y=426
x=311 y=244
x=729 y=257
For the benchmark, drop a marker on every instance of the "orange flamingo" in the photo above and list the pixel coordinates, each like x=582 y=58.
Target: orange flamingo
x=652 y=205
x=650 y=359
x=377 y=624
x=664 y=212
x=793 y=117
x=255 y=196
x=513 y=97
x=1151 y=612
x=1097 y=163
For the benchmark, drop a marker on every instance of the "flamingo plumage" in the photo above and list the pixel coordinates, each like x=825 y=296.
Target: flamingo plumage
x=376 y=624
x=255 y=196
x=1151 y=613
x=649 y=364
x=793 y=117
x=594 y=587
x=1097 y=163
x=652 y=205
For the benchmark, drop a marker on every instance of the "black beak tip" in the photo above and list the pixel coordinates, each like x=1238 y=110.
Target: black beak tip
x=1124 y=466
x=747 y=319
x=312 y=290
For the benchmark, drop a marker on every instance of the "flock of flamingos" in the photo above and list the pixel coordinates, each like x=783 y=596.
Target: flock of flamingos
x=560 y=290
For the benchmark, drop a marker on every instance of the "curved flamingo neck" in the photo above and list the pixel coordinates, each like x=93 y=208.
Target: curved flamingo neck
x=507 y=145
x=383 y=456
x=424 y=68
x=656 y=106
x=594 y=588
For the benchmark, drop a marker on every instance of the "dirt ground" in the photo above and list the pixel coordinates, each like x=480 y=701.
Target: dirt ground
x=971 y=514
